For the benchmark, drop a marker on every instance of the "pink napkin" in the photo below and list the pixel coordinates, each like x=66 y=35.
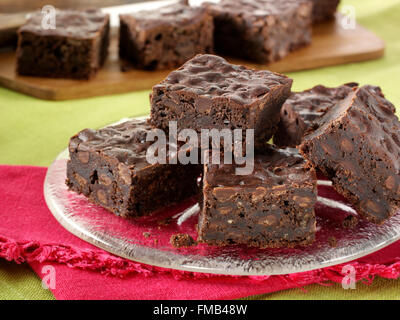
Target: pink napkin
x=28 y=232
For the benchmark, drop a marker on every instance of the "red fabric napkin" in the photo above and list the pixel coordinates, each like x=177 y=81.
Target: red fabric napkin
x=28 y=232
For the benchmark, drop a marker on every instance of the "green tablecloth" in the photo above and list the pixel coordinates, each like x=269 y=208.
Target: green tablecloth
x=34 y=131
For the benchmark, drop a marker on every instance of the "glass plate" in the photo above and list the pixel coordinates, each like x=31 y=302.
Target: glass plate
x=146 y=239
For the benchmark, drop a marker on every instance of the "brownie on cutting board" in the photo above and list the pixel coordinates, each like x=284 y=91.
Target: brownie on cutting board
x=76 y=48
x=109 y=166
x=207 y=92
x=324 y=9
x=272 y=207
x=357 y=145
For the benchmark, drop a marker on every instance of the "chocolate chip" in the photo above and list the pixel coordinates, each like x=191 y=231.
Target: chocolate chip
x=259 y=194
x=303 y=202
x=83 y=156
x=224 y=194
x=102 y=196
x=370 y=205
x=347 y=145
x=390 y=183
x=269 y=221
x=81 y=180
x=224 y=210
x=203 y=104
x=105 y=179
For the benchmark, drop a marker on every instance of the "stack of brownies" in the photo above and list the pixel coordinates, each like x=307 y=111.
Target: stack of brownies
x=257 y=30
x=350 y=133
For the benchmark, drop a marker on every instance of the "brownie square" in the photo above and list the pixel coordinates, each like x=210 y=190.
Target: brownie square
x=76 y=49
x=272 y=207
x=324 y=9
x=302 y=109
x=261 y=30
x=109 y=167
x=207 y=92
x=357 y=145
x=165 y=38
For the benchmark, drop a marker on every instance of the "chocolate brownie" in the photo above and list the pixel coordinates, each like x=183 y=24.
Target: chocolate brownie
x=76 y=48
x=165 y=38
x=272 y=207
x=261 y=30
x=207 y=92
x=324 y=9
x=357 y=145
x=109 y=167
x=302 y=109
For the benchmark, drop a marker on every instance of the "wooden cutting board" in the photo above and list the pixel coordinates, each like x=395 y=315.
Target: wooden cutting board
x=332 y=45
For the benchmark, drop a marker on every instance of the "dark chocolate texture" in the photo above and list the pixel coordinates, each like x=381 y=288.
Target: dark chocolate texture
x=324 y=9
x=272 y=207
x=109 y=166
x=207 y=92
x=165 y=38
x=357 y=145
x=261 y=30
x=76 y=48
x=302 y=109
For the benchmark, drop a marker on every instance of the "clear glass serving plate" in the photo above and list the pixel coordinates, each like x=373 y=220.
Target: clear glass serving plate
x=147 y=239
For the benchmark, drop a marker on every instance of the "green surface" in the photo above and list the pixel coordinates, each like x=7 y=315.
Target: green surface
x=34 y=131
x=18 y=282
x=380 y=289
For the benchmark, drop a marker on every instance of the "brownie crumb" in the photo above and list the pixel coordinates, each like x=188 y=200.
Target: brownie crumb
x=350 y=222
x=332 y=242
x=182 y=240
x=146 y=234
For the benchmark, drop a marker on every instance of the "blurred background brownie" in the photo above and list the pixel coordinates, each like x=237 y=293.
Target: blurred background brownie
x=261 y=30
x=302 y=109
x=109 y=166
x=272 y=207
x=76 y=48
x=165 y=38
x=356 y=144
x=324 y=9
